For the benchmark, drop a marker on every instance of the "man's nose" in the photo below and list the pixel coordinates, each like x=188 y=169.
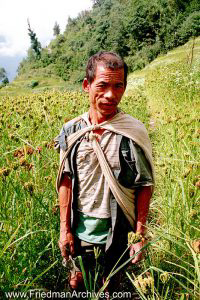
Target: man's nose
x=109 y=94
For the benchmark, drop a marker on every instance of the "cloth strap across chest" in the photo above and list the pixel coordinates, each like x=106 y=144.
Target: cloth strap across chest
x=121 y=124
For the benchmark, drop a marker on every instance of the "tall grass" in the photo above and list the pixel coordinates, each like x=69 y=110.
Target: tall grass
x=29 y=209
x=172 y=93
x=28 y=167
x=29 y=217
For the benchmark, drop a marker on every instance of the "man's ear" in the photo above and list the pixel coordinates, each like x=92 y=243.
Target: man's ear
x=85 y=85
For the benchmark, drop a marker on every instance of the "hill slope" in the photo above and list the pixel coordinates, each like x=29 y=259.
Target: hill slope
x=23 y=83
x=138 y=30
x=187 y=54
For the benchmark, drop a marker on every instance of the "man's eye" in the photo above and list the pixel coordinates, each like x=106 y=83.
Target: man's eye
x=102 y=85
x=118 y=86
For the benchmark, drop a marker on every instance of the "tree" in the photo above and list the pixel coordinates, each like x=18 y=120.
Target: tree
x=137 y=30
x=97 y=3
x=2 y=73
x=3 y=76
x=56 y=29
x=35 y=44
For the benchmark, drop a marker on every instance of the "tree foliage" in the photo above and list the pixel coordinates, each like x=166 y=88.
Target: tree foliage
x=2 y=73
x=56 y=29
x=3 y=77
x=35 y=44
x=137 y=30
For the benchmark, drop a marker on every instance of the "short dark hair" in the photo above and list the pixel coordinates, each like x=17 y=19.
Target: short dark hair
x=111 y=60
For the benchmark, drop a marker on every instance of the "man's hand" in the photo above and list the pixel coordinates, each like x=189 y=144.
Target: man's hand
x=134 y=248
x=142 y=207
x=66 y=245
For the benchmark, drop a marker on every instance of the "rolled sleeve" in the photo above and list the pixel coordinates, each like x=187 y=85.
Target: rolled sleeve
x=60 y=146
x=144 y=173
x=66 y=168
x=60 y=141
x=135 y=169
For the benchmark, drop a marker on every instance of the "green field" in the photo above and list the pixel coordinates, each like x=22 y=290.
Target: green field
x=165 y=96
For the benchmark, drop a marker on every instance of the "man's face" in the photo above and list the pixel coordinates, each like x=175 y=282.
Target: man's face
x=105 y=91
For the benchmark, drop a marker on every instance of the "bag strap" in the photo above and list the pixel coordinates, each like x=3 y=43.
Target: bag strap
x=123 y=196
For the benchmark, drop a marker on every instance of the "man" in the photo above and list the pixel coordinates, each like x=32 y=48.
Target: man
x=105 y=180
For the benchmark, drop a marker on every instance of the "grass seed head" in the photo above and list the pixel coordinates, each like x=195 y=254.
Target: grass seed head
x=193 y=214
x=66 y=120
x=97 y=252
x=15 y=166
x=39 y=149
x=50 y=145
x=29 y=166
x=29 y=186
x=55 y=209
x=145 y=285
x=19 y=153
x=29 y=150
x=186 y=173
x=134 y=237
x=164 y=277
x=4 y=172
x=45 y=143
x=48 y=178
x=22 y=161
x=191 y=193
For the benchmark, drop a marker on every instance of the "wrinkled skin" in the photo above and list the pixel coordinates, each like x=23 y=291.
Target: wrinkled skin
x=105 y=93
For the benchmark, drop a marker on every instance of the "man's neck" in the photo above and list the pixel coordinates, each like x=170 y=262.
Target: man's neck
x=96 y=118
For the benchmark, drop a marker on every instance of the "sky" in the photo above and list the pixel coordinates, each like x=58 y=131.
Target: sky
x=42 y=15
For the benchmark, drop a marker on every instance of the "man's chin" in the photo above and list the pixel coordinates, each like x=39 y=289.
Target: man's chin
x=108 y=113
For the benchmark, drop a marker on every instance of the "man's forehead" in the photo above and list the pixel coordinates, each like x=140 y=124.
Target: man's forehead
x=103 y=70
x=101 y=67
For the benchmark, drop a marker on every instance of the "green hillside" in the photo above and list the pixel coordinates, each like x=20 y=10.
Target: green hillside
x=186 y=54
x=165 y=96
x=23 y=83
x=138 y=30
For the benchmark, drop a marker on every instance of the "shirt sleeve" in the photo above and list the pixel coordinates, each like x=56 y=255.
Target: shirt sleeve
x=66 y=166
x=144 y=173
x=135 y=169
x=60 y=146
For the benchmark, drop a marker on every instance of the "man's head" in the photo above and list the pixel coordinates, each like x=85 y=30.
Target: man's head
x=105 y=81
x=110 y=60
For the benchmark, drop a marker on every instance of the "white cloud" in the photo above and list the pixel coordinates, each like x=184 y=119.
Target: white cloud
x=42 y=15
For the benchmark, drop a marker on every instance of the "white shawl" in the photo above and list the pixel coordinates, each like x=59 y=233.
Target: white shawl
x=129 y=127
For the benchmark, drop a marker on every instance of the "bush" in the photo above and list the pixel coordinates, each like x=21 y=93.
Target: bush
x=143 y=57
x=149 y=53
x=190 y=27
x=62 y=71
x=5 y=81
x=135 y=62
x=33 y=84
x=77 y=76
x=46 y=58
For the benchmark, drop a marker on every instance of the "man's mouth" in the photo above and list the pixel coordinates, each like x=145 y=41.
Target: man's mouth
x=111 y=104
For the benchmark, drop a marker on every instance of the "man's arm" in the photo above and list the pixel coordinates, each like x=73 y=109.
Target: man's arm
x=66 y=237
x=142 y=208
